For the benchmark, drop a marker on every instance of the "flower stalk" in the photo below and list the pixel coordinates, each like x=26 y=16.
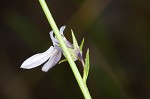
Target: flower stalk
x=73 y=66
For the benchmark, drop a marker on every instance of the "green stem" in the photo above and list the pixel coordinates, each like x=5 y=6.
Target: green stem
x=73 y=66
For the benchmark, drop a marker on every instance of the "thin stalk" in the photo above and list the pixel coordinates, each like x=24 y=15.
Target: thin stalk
x=73 y=66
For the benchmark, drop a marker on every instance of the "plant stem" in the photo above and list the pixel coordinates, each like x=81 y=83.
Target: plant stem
x=73 y=66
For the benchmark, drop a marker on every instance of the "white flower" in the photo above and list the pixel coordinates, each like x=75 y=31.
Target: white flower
x=53 y=54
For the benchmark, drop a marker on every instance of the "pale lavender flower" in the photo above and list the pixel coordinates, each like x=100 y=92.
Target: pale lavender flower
x=53 y=54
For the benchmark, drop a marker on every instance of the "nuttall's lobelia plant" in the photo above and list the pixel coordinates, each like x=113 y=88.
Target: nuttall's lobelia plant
x=54 y=53
x=61 y=45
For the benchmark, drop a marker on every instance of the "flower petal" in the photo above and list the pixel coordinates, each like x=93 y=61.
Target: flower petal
x=37 y=59
x=62 y=30
x=52 y=61
x=54 y=40
x=66 y=41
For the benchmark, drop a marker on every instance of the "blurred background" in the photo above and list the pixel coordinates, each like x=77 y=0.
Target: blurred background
x=116 y=31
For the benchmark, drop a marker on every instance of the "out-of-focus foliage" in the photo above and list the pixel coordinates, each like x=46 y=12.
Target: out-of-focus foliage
x=116 y=31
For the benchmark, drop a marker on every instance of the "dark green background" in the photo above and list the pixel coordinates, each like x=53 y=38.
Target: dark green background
x=116 y=31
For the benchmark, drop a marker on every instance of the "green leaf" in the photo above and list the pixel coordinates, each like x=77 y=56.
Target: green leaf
x=75 y=43
x=86 y=67
x=64 y=60
x=82 y=43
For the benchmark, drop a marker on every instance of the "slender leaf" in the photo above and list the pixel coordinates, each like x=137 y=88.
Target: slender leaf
x=75 y=43
x=81 y=45
x=64 y=60
x=86 y=67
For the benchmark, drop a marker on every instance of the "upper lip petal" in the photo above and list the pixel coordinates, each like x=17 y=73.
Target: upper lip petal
x=55 y=41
